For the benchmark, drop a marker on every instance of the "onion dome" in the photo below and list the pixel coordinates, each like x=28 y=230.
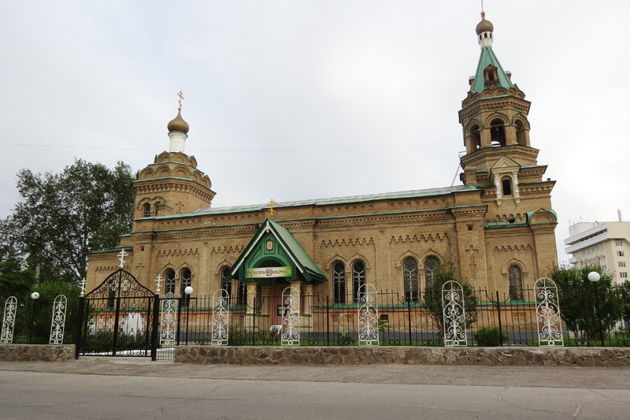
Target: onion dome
x=178 y=124
x=484 y=25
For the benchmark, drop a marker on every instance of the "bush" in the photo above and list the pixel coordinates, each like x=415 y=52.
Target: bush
x=489 y=337
x=589 y=309
x=433 y=296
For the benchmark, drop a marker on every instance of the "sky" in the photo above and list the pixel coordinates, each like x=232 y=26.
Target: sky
x=303 y=99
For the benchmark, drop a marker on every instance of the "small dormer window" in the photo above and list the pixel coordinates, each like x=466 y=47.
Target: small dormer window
x=490 y=74
x=147 y=210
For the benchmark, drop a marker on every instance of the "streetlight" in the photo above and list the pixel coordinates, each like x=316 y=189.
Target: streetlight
x=188 y=291
x=594 y=277
x=34 y=297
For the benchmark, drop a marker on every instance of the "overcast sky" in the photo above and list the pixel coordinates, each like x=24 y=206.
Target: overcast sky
x=298 y=99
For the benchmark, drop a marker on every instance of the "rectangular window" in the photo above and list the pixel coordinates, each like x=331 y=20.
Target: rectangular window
x=621 y=263
x=619 y=242
x=623 y=274
x=620 y=253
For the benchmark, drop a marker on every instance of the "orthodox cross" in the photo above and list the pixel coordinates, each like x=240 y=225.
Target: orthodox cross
x=121 y=258
x=158 y=282
x=82 y=284
x=179 y=101
x=271 y=204
x=473 y=266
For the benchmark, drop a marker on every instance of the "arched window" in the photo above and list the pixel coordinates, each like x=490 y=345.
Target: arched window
x=497 y=133
x=147 y=209
x=157 y=208
x=521 y=138
x=431 y=266
x=516 y=282
x=169 y=274
x=186 y=280
x=339 y=282
x=506 y=185
x=242 y=292
x=226 y=283
x=410 y=279
x=358 y=280
x=475 y=137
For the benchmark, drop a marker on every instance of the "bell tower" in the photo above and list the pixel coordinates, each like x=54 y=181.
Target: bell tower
x=172 y=184
x=493 y=116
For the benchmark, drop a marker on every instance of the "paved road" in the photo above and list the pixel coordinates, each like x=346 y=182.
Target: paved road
x=106 y=389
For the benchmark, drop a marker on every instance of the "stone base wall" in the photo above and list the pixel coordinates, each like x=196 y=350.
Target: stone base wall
x=36 y=352
x=483 y=356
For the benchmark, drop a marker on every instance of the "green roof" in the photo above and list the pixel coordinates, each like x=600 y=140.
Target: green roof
x=309 y=270
x=488 y=58
x=296 y=249
x=428 y=192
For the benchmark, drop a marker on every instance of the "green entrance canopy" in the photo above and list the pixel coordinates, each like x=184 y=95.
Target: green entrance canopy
x=275 y=249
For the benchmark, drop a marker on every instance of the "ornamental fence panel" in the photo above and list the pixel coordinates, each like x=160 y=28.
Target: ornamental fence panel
x=492 y=319
x=496 y=319
x=34 y=320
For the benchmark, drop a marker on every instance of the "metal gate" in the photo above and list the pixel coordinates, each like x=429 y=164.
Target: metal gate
x=118 y=318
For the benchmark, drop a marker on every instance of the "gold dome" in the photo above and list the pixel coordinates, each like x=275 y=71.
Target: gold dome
x=484 y=25
x=178 y=124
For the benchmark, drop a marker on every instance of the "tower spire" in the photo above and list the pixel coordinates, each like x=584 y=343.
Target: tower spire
x=178 y=128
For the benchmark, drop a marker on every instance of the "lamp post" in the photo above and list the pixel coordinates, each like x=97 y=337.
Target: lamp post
x=188 y=291
x=34 y=297
x=594 y=277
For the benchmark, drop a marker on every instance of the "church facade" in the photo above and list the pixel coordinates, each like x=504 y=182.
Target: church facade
x=497 y=227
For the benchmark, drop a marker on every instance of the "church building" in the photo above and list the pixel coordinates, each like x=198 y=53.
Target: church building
x=497 y=227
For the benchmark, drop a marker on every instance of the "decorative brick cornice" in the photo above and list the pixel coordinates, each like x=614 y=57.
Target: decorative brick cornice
x=347 y=242
x=175 y=252
x=422 y=237
x=231 y=249
x=513 y=248
x=537 y=189
x=176 y=185
x=109 y=268
x=469 y=212
x=489 y=105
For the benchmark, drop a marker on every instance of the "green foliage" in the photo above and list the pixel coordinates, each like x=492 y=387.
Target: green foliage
x=489 y=337
x=433 y=296
x=15 y=279
x=41 y=311
x=61 y=217
x=103 y=341
x=623 y=291
x=588 y=309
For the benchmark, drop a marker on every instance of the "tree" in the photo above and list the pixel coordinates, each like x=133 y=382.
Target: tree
x=15 y=279
x=588 y=309
x=61 y=217
x=433 y=296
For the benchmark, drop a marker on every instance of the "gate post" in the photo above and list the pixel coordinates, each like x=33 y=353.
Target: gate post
x=155 y=325
x=79 y=330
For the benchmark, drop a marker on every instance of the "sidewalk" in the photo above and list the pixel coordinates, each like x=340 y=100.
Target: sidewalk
x=561 y=377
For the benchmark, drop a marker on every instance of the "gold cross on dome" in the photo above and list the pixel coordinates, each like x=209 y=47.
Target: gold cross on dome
x=179 y=101
x=271 y=204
